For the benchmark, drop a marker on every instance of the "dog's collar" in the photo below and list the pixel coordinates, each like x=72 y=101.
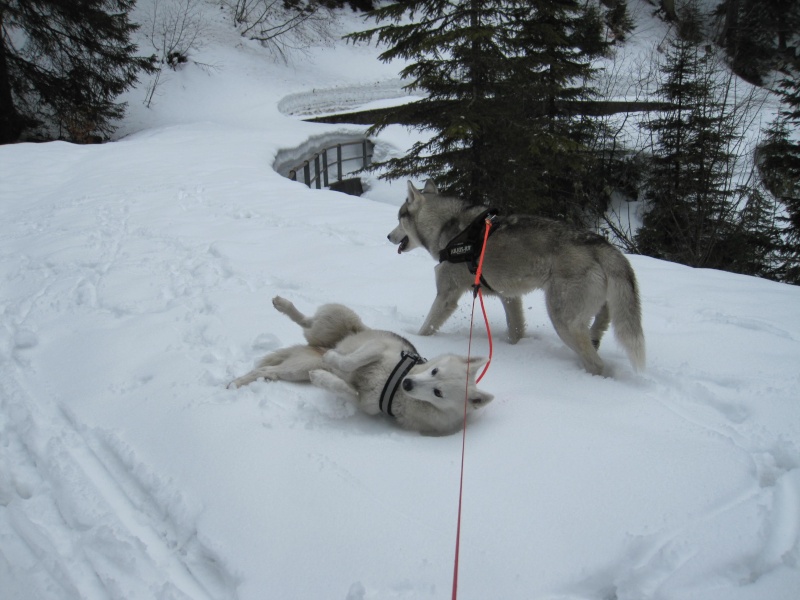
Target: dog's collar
x=408 y=360
x=467 y=245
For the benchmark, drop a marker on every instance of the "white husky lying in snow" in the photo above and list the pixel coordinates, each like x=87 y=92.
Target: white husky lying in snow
x=377 y=370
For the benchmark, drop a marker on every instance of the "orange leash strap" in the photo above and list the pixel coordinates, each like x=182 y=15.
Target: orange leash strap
x=477 y=287
x=489 y=333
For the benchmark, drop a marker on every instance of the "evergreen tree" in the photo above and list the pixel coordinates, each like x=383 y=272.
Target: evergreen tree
x=695 y=213
x=617 y=18
x=780 y=169
x=753 y=243
x=62 y=65
x=496 y=75
x=758 y=34
x=556 y=174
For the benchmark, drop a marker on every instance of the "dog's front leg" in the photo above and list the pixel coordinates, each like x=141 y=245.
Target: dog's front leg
x=515 y=318
x=450 y=285
x=366 y=354
x=336 y=385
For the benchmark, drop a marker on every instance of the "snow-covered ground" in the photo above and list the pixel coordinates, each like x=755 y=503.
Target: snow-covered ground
x=136 y=283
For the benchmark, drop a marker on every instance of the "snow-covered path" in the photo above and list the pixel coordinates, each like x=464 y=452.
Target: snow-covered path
x=82 y=519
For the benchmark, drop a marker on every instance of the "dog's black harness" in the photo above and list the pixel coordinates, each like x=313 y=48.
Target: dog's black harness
x=408 y=360
x=468 y=245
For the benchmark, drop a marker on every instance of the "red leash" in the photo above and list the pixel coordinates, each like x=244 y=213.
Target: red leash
x=477 y=288
x=488 y=332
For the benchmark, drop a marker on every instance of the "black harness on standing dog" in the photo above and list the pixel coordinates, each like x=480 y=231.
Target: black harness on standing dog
x=468 y=245
x=408 y=360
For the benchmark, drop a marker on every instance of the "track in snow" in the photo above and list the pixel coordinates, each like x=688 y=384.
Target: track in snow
x=80 y=516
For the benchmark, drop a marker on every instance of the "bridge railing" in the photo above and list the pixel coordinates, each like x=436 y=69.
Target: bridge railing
x=335 y=161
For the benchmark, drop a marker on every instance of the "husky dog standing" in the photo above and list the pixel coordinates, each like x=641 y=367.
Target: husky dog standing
x=585 y=279
x=378 y=371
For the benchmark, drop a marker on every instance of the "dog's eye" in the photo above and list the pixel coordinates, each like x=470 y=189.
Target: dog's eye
x=438 y=393
x=434 y=372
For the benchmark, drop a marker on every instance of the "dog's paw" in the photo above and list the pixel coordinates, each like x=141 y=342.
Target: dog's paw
x=281 y=304
x=320 y=378
x=252 y=377
x=331 y=358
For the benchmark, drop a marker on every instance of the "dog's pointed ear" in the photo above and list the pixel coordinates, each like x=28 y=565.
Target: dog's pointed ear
x=475 y=363
x=478 y=398
x=413 y=193
x=430 y=188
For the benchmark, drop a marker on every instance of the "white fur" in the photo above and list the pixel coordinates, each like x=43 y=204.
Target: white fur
x=351 y=360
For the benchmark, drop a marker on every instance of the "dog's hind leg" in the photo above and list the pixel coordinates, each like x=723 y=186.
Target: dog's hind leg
x=330 y=324
x=288 y=364
x=290 y=310
x=515 y=318
x=600 y=325
x=266 y=369
x=567 y=312
x=577 y=338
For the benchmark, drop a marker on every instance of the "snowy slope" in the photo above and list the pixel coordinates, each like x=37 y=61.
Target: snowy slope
x=136 y=279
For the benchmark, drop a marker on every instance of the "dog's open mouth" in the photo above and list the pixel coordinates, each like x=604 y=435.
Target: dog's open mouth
x=403 y=245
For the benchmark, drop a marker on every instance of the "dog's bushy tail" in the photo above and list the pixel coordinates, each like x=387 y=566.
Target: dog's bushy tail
x=625 y=309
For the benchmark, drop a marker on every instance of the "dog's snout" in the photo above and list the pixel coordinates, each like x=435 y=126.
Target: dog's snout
x=408 y=385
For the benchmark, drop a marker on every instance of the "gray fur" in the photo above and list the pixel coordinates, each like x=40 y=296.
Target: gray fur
x=585 y=279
